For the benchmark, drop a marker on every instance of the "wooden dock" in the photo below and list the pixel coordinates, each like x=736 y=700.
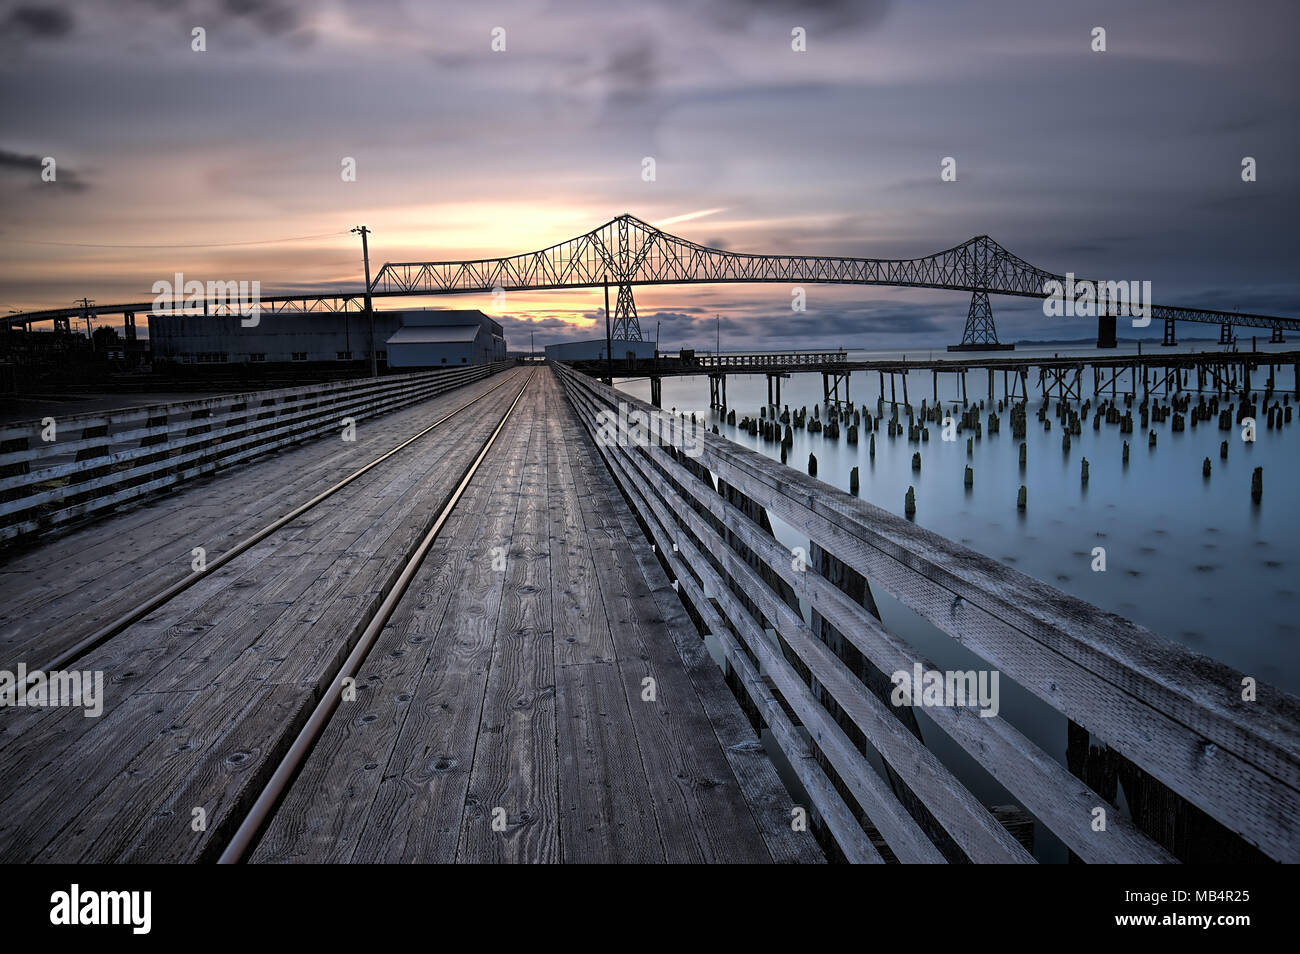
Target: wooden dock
x=502 y=715
x=475 y=633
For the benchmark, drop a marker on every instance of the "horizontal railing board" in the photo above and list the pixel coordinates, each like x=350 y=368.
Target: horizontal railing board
x=181 y=416
x=1047 y=789
x=1130 y=710
x=186 y=435
x=214 y=455
x=899 y=829
x=973 y=828
x=33 y=426
x=837 y=816
x=206 y=443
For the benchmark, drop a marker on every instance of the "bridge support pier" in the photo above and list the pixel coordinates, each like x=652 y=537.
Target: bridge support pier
x=1169 y=339
x=128 y=319
x=657 y=391
x=980 y=334
x=1225 y=334
x=718 y=391
x=1106 y=332
x=1276 y=337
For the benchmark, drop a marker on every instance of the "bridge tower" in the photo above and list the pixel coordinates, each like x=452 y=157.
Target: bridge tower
x=626 y=325
x=981 y=259
x=980 y=330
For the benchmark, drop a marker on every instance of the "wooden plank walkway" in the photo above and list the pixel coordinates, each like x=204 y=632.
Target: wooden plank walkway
x=500 y=717
x=516 y=694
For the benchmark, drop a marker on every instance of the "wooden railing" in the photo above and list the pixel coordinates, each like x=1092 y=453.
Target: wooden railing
x=1172 y=725
x=769 y=359
x=98 y=461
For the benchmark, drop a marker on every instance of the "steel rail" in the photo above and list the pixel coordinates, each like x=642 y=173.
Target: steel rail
x=286 y=771
x=109 y=630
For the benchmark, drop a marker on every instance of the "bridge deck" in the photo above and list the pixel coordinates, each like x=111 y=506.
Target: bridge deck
x=514 y=684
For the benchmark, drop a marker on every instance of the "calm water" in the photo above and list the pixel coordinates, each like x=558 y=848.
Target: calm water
x=1192 y=559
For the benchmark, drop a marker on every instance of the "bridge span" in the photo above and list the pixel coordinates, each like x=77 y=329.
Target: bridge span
x=626 y=253
x=484 y=629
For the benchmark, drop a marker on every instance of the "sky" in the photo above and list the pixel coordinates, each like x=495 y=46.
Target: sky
x=1124 y=164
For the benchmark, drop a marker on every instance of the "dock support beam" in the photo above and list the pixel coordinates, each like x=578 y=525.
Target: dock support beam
x=831 y=381
x=718 y=391
x=774 y=387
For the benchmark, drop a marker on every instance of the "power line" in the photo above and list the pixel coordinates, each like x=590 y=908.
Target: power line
x=298 y=238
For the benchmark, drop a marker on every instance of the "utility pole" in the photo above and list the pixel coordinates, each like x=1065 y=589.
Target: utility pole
x=85 y=304
x=609 y=341
x=370 y=309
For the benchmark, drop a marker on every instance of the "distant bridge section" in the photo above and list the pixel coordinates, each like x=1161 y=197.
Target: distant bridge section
x=626 y=252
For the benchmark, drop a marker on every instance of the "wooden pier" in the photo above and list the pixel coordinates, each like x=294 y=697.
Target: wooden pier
x=1008 y=378
x=481 y=631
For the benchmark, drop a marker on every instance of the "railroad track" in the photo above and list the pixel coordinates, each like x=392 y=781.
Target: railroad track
x=245 y=837
x=292 y=741
x=106 y=632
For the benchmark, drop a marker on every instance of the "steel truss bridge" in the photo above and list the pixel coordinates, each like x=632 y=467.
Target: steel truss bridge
x=627 y=252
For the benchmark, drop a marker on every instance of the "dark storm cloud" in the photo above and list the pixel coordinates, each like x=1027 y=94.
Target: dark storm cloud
x=838 y=14
x=14 y=165
x=38 y=22
x=273 y=17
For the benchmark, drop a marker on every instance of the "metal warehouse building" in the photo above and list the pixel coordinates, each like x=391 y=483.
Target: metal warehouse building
x=413 y=338
x=594 y=350
x=429 y=339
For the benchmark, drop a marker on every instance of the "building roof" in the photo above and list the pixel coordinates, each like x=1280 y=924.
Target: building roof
x=439 y=334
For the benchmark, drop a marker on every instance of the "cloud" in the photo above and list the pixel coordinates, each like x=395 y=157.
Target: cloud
x=15 y=163
x=39 y=22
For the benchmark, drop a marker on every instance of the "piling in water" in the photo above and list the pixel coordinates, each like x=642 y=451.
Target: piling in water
x=1126 y=452
x=970 y=476
x=1022 y=497
x=916 y=461
x=1257 y=484
x=853 y=481
x=873 y=446
x=1083 y=471
x=1022 y=455
x=1205 y=467
x=909 y=502
x=812 y=465
x=1223 y=451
